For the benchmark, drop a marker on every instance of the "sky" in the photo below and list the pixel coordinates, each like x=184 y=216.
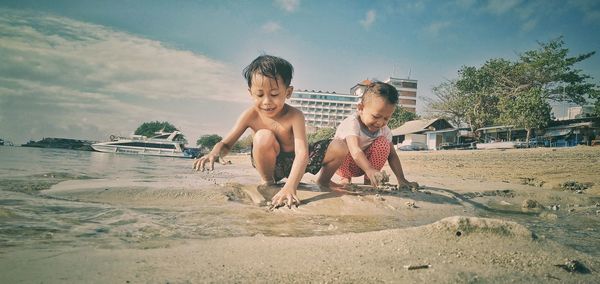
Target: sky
x=87 y=69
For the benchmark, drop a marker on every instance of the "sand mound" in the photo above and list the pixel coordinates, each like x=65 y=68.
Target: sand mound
x=461 y=226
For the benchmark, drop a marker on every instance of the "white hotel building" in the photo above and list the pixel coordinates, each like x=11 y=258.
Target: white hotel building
x=328 y=109
x=323 y=109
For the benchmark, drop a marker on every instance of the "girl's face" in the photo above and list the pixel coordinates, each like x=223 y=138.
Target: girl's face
x=269 y=95
x=375 y=112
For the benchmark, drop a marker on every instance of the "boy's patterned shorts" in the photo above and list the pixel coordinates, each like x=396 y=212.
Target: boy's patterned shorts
x=284 y=161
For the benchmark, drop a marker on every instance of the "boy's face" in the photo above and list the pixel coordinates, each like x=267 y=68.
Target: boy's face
x=269 y=95
x=375 y=112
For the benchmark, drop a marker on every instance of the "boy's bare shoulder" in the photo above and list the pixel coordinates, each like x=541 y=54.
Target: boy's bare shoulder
x=249 y=113
x=294 y=113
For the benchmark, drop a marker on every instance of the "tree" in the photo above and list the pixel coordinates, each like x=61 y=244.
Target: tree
x=400 y=116
x=550 y=69
x=501 y=89
x=209 y=141
x=527 y=110
x=479 y=92
x=448 y=104
x=149 y=129
x=242 y=144
x=321 y=134
x=596 y=95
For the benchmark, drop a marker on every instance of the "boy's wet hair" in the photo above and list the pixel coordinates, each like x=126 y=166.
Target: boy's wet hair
x=269 y=66
x=382 y=90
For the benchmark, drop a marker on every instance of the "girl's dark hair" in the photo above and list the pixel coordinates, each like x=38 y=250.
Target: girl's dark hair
x=269 y=66
x=383 y=90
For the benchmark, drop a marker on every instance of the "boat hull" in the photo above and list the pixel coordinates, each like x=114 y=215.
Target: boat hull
x=140 y=151
x=501 y=145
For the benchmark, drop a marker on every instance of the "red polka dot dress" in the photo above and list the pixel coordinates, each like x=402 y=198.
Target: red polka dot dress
x=377 y=154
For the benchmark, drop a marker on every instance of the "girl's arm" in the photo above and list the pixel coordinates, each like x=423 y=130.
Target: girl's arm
x=396 y=166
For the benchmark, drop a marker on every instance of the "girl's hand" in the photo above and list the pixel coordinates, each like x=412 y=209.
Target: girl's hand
x=374 y=176
x=409 y=184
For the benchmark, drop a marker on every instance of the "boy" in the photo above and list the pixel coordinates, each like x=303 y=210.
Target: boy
x=279 y=147
x=363 y=142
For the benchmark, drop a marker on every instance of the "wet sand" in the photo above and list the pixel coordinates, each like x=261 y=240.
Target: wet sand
x=467 y=222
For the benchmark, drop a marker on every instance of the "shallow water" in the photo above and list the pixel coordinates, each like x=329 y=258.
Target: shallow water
x=137 y=200
x=112 y=200
x=579 y=229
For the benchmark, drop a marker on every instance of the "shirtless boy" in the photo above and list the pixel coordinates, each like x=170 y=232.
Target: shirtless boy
x=279 y=145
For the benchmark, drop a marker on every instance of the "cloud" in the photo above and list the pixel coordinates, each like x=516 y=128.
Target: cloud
x=435 y=28
x=529 y=25
x=271 y=27
x=61 y=77
x=369 y=19
x=465 y=3
x=589 y=8
x=288 y=5
x=499 y=7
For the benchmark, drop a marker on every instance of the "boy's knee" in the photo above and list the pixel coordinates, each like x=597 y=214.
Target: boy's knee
x=338 y=147
x=264 y=139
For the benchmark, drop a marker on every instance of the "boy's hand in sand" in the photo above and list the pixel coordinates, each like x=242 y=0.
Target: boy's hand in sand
x=200 y=164
x=285 y=196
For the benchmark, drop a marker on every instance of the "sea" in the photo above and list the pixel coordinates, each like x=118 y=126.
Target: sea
x=54 y=198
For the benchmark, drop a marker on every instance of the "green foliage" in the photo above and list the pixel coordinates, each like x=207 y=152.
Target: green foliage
x=515 y=93
x=209 y=141
x=448 y=104
x=595 y=95
x=527 y=110
x=242 y=144
x=550 y=69
x=149 y=128
x=321 y=134
x=400 y=116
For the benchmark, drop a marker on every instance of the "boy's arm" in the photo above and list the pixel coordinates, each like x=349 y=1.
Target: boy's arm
x=396 y=166
x=224 y=146
x=361 y=159
x=288 y=192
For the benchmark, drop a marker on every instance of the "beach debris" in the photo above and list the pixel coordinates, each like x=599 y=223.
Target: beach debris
x=508 y=193
x=574 y=186
x=548 y=216
x=411 y=204
x=573 y=265
x=530 y=204
x=418 y=266
x=531 y=181
x=555 y=207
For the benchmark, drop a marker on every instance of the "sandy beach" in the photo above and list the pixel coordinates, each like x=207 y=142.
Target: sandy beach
x=479 y=216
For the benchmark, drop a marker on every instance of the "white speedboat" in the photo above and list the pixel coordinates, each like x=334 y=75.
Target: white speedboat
x=168 y=144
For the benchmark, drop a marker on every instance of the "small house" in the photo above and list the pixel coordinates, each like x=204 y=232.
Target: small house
x=412 y=134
